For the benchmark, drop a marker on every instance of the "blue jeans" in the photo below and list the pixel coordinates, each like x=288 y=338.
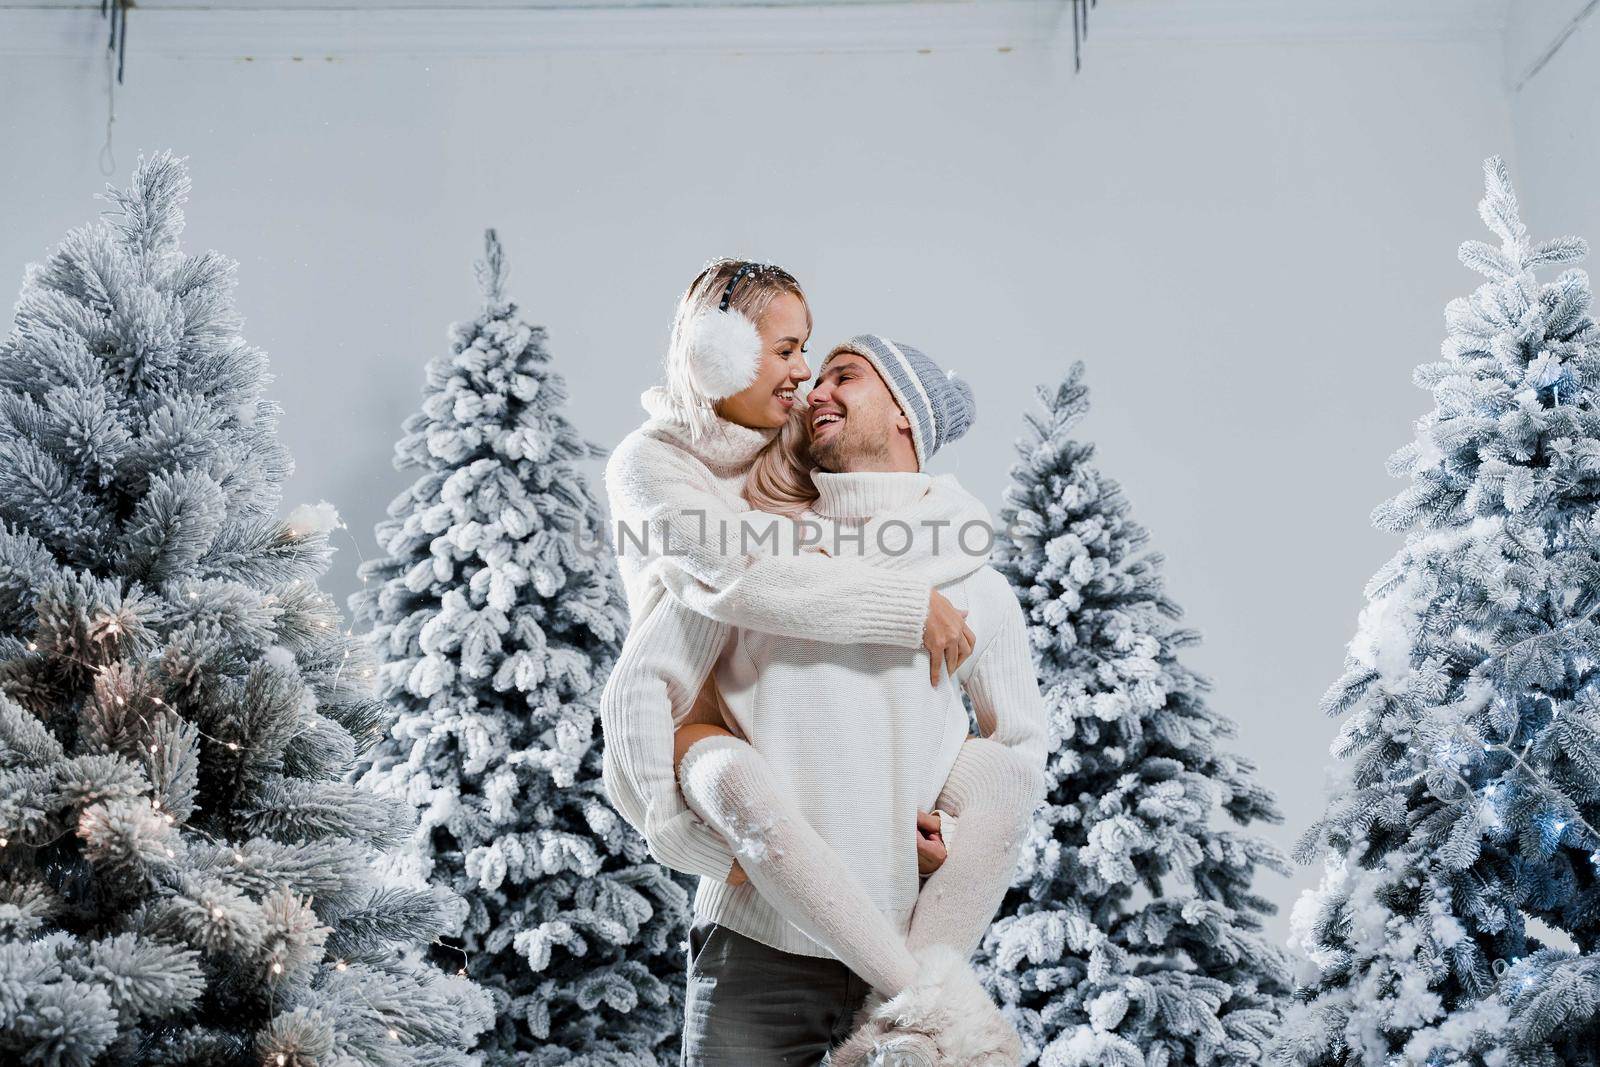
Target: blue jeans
x=750 y=1005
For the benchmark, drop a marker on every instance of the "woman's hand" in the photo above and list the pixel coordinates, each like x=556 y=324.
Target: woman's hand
x=736 y=875
x=945 y=635
x=931 y=852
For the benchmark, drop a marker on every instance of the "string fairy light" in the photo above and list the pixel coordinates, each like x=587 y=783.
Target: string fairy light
x=1492 y=789
x=113 y=626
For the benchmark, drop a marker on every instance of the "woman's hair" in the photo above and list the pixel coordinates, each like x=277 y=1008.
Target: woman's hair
x=780 y=478
x=752 y=296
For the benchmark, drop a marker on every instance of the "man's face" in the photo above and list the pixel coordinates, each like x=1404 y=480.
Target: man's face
x=855 y=422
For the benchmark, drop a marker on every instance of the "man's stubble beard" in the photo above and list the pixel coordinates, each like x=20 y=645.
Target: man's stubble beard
x=854 y=446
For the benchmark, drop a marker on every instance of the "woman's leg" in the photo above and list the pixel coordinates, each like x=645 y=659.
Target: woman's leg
x=993 y=794
x=727 y=783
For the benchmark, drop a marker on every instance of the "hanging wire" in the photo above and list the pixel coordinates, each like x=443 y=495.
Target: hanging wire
x=1080 y=30
x=117 y=10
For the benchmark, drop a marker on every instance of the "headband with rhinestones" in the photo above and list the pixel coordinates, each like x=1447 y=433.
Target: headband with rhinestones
x=727 y=294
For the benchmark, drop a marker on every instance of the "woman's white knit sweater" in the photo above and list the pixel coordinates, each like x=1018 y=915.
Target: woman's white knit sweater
x=677 y=513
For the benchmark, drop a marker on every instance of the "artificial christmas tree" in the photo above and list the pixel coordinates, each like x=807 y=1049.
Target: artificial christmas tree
x=498 y=614
x=1131 y=935
x=1472 y=747
x=185 y=877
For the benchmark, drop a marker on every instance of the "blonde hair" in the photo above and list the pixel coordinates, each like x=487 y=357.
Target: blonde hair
x=751 y=297
x=779 y=481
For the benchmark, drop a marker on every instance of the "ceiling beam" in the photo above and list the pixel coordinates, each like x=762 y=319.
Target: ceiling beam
x=262 y=31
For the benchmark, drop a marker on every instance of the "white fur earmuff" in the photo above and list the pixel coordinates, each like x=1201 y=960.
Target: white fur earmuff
x=724 y=352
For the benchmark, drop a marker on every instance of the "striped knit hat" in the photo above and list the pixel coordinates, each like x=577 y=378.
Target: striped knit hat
x=939 y=405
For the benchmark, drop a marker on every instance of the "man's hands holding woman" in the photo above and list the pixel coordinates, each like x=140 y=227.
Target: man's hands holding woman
x=931 y=852
x=945 y=635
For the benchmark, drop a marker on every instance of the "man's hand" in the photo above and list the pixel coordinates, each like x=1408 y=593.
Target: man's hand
x=931 y=852
x=945 y=635
x=736 y=875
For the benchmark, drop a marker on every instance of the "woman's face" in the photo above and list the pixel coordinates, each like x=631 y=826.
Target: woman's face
x=765 y=403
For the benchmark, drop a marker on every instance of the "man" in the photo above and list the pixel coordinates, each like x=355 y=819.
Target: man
x=817 y=797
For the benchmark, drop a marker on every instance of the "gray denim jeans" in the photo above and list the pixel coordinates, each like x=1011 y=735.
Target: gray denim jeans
x=750 y=1005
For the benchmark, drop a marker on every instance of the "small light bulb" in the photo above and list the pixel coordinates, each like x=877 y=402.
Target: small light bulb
x=32 y=647
x=282 y=1059
x=216 y=913
x=120 y=702
x=277 y=968
x=394 y=1035
x=170 y=854
x=341 y=966
x=233 y=746
x=170 y=819
x=152 y=750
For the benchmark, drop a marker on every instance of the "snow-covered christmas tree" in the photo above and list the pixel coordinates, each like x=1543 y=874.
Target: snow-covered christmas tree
x=498 y=613
x=186 y=877
x=1132 y=934
x=1459 y=920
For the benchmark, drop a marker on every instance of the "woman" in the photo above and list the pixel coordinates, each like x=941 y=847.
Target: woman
x=716 y=434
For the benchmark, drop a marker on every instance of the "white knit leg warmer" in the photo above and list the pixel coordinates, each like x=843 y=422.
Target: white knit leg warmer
x=729 y=785
x=993 y=793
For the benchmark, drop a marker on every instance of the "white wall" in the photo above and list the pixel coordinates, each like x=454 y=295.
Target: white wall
x=1250 y=239
x=1555 y=107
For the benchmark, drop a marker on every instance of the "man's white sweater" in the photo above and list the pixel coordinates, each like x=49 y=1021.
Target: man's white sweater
x=855 y=732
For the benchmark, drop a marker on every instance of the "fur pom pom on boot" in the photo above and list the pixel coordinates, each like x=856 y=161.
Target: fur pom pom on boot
x=942 y=1019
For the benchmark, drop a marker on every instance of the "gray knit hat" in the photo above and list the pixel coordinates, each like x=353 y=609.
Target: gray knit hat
x=939 y=405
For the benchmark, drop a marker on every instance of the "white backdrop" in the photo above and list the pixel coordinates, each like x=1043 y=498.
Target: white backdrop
x=1249 y=237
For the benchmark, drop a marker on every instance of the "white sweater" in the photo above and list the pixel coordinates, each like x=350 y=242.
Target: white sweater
x=855 y=732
